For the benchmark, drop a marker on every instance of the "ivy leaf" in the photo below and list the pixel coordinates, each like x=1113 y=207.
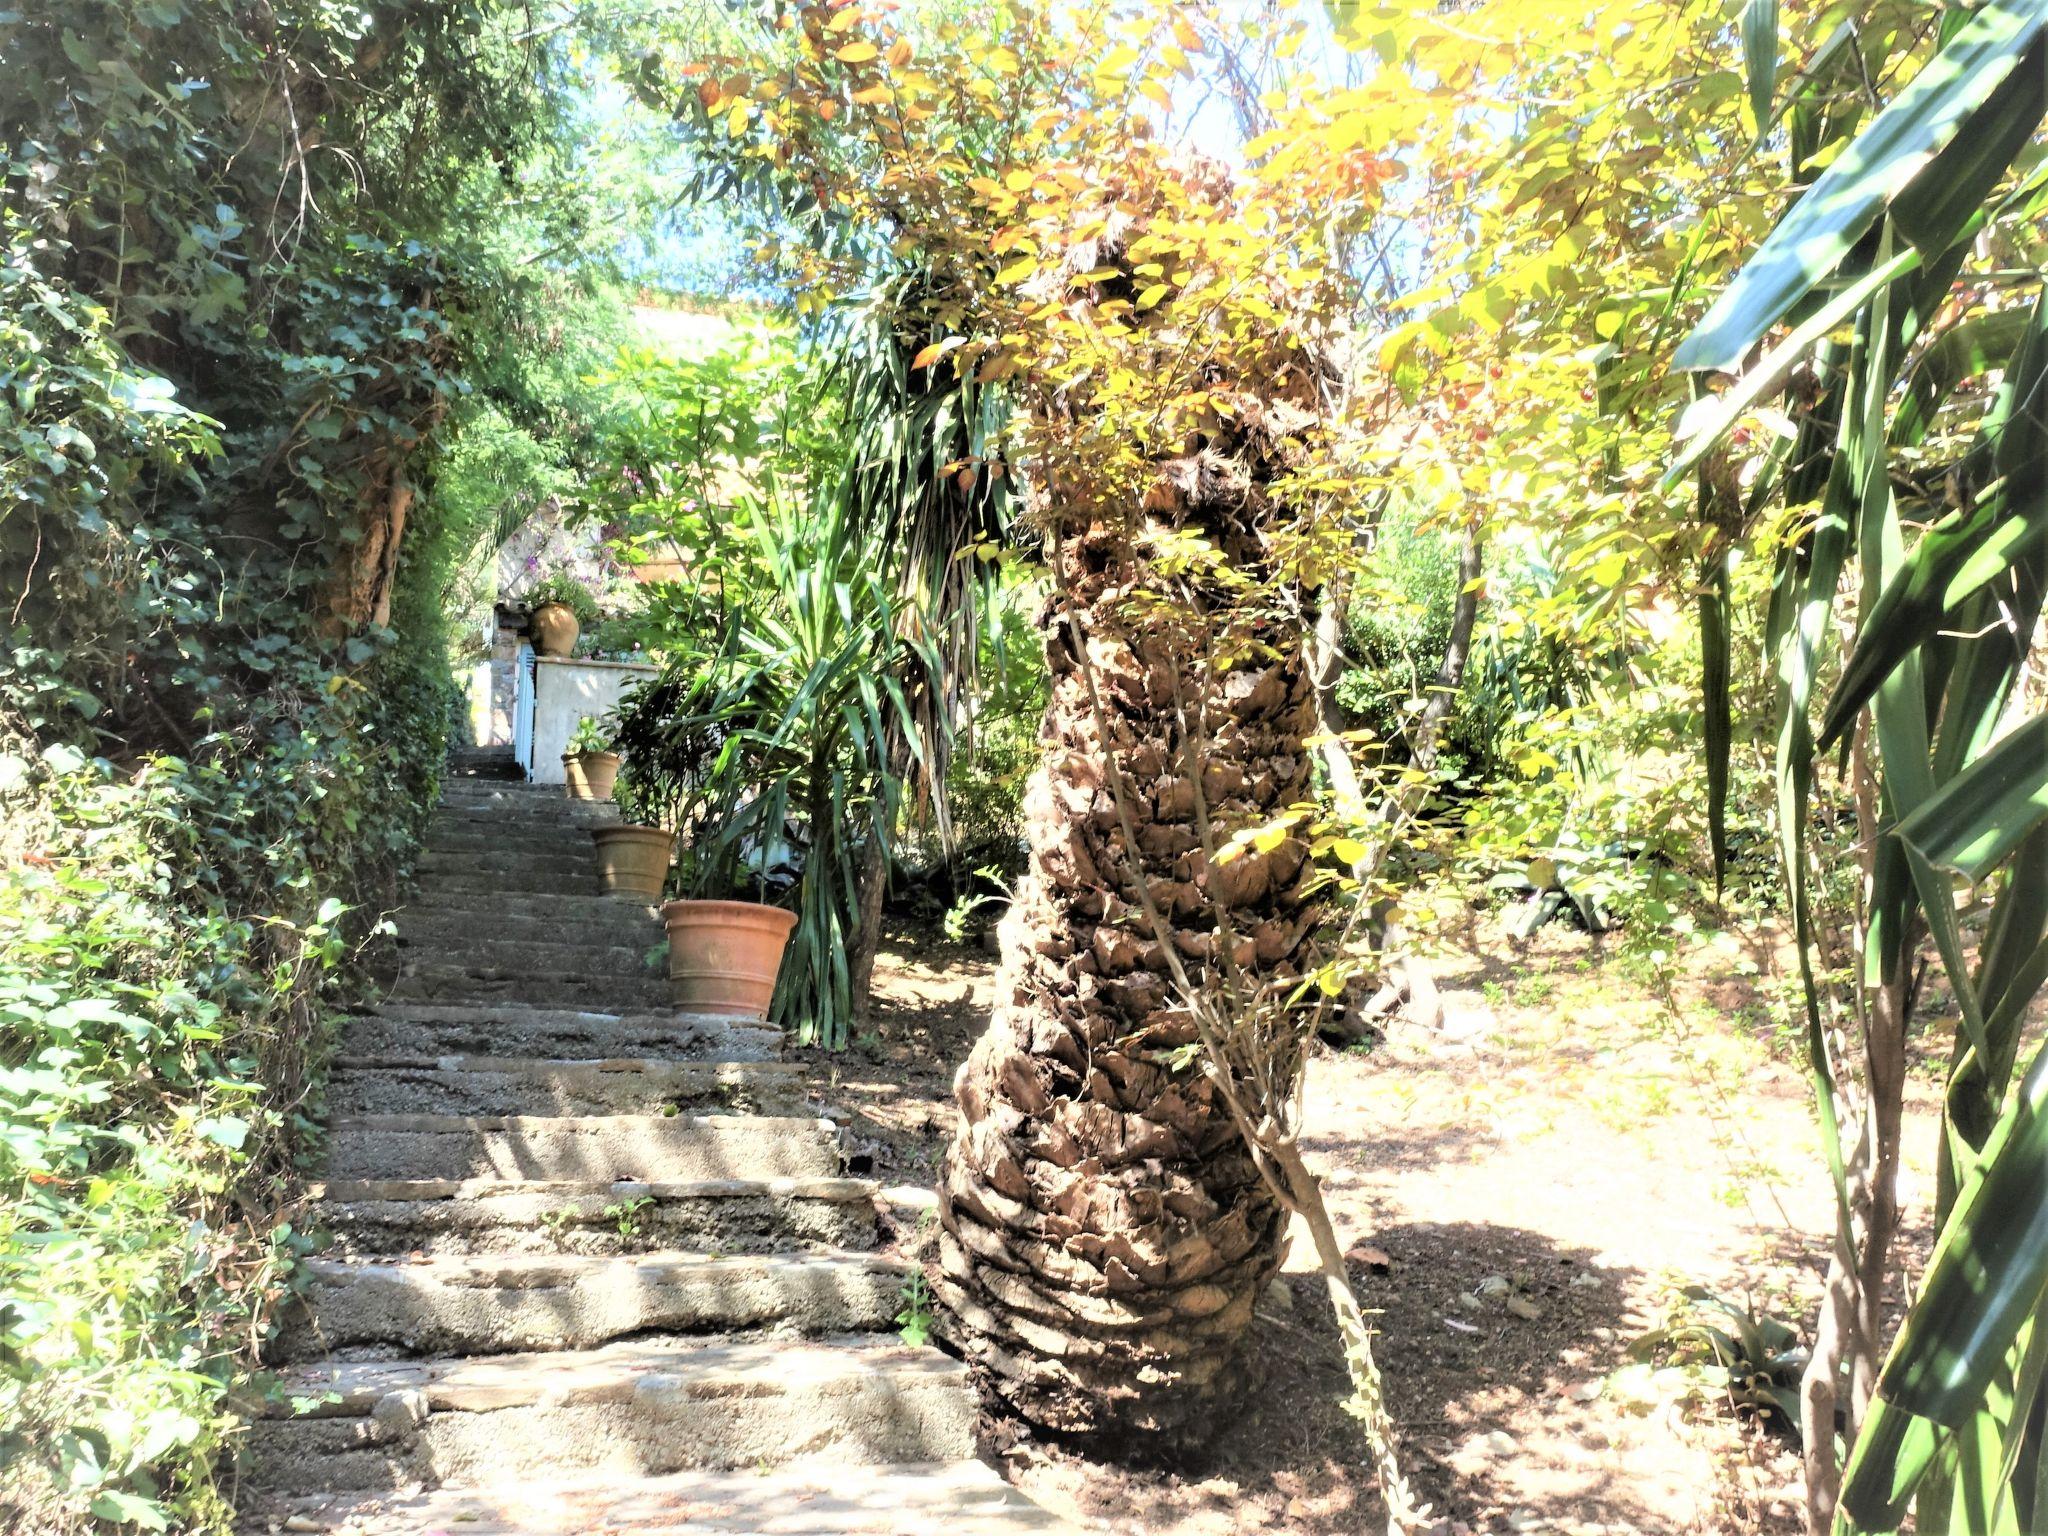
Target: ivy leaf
x=229 y=1131
x=129 y=1509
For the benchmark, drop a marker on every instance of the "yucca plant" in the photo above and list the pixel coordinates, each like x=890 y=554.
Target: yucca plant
x=1907 y=510
x=784 y=738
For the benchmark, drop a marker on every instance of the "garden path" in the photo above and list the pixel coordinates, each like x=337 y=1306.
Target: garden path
x=594 y=1265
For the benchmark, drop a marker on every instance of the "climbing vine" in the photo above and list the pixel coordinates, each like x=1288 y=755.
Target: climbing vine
x=235 y=276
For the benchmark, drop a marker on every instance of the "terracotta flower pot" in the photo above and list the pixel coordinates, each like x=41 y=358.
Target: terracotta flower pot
x=554 y=629
x=590 y=775
x=723 y=955
x=632 y=861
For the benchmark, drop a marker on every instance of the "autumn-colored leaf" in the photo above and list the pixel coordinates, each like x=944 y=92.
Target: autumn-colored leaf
x=926 y=356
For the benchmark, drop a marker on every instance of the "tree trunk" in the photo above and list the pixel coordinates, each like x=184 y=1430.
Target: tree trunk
x=1326 y=667
x=1450 y=673
x=1841 y=1375
x=874 y=886
x=1105 y=1228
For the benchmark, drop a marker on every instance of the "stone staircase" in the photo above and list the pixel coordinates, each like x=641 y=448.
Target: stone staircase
x=593 y=1264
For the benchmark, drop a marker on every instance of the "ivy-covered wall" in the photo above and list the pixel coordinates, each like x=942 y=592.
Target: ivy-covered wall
x=240 y=271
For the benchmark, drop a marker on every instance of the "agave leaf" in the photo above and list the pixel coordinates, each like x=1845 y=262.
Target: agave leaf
x=1972 y=822
x=1945 y=99
x=1942 y=201
x=2021 y=1431
x=1892 y=1453
x=1987 y=1275
x=2015 y=989
x=1760 y=57
x=1976 y=346
x=1716 y=720
x=1968 y=550
x=1706 y=423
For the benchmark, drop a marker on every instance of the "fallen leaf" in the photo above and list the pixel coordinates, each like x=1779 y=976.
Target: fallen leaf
x=1375 y=1259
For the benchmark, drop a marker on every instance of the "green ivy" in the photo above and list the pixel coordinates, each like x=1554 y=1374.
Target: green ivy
x=244 y=275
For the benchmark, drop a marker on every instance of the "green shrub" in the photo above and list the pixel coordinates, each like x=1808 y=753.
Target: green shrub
x=169 y=936
x=1397 y=626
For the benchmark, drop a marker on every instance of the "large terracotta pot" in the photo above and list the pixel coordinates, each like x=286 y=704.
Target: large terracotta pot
x=554 y=629
x=723 y=955
x=590 y=775
x=632 y=861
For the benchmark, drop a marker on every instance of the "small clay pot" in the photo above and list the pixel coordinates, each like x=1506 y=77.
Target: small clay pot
x=632 y=861
x=590 y=775
x=554 y=629
x=723 y=955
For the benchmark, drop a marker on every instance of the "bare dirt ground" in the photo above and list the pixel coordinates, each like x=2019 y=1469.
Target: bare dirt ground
x=1522 y=1192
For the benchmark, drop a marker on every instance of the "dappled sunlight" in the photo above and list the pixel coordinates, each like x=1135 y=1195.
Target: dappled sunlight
x=827 y=767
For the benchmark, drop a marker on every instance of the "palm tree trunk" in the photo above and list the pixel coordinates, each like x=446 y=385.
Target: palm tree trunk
x=874 y=886
x=1106 y=1231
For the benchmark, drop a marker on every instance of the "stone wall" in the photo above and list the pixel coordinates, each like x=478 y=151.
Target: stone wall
x=564 y=691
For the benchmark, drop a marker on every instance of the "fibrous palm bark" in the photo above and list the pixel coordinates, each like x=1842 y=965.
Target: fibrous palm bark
x=1106 y=1231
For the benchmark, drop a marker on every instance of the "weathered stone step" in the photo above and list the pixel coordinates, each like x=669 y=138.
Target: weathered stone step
x=609 y=1147
x=510 y=800
x=499 y=1303
x=590 y=922
x=508 y=866
x=455 y=832
x=492 y=951
x=568 y=878
x=513 y=803
x=960 y=1498
x=451 y=1216
x=516 y=1029
x=460 y=830
x=626 y=1409
x=516 y=1085
x=427 y=981
x=510 y=793
x=566 y=916
x=488 y=763
x=460 y=838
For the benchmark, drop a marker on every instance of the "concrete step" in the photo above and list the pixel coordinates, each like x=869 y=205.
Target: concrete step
x=455 y=1216
x=499 y=1303
x=427 y=981
x=628 y=1409
x=517 y=1029
x=492 y=951
x=607 y=1147
x=521 y=1085
x=959 y=1498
